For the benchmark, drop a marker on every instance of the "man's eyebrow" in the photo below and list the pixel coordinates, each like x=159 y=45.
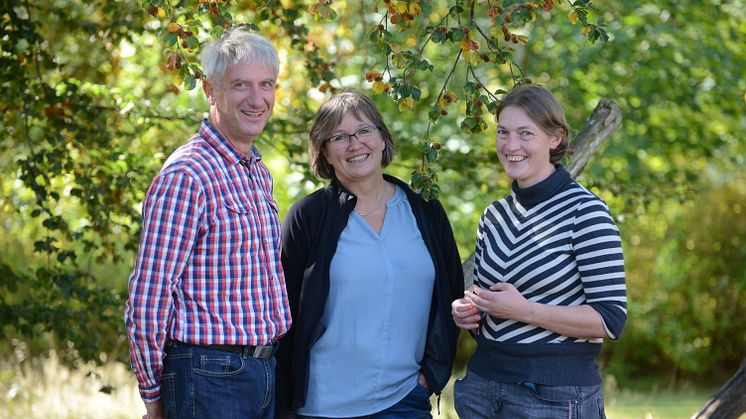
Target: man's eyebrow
x=239 y=79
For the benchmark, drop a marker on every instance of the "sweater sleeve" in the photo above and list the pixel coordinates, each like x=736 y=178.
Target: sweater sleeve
x=598 y=251
x=479 y=246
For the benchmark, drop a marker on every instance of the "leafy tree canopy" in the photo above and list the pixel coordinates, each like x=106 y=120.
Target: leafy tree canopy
x=96 y=94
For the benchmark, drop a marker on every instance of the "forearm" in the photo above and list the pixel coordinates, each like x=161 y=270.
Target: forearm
x=582 y=322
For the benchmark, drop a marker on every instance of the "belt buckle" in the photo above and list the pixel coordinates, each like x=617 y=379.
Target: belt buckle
x=264 y=351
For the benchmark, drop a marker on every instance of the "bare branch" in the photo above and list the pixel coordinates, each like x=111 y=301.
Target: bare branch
x=605 y=119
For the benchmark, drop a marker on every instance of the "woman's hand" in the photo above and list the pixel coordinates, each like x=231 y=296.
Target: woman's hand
x=465 y=314
x=502 y=301
x=423 y=382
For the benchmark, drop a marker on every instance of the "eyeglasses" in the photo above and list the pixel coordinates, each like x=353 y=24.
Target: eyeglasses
x=362 y=134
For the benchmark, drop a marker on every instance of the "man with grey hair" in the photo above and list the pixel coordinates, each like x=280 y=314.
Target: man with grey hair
x=207 y=300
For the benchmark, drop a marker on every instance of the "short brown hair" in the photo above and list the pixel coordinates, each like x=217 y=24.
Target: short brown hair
x=545 y=110
x=328 y=118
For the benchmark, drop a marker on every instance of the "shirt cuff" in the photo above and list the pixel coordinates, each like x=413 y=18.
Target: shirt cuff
x=150 y=394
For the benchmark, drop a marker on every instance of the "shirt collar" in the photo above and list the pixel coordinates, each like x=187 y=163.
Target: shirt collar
x=225 y=148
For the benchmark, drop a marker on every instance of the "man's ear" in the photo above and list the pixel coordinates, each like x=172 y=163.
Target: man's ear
x=209 y=92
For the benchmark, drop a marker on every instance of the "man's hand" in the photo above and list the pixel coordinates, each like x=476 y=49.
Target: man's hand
x=154 y=410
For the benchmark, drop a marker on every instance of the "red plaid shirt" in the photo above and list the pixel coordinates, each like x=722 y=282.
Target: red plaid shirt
x=208 y=268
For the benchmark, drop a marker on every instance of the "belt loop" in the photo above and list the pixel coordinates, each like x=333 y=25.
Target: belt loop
x=246 y=351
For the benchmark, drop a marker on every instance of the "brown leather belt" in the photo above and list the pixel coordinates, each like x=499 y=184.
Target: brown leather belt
x=253 y=351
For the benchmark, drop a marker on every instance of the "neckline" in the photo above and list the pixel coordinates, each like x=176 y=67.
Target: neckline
x=542 y=191
x=378 y=204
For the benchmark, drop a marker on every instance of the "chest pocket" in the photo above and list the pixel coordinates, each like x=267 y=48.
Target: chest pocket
x=230 y=226
x=234 y=206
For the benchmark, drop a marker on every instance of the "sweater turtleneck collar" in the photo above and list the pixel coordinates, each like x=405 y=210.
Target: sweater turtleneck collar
x=540 y=192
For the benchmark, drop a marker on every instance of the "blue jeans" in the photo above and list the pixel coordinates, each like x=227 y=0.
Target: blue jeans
x=477 y=397
x=415 y=405
x=198 y=382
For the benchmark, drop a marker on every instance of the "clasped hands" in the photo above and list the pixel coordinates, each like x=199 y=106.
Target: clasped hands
x=501 y=301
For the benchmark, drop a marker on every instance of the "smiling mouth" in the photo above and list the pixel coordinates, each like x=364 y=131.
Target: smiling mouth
x=253 y=113
x=358 y=158
x=515 y=159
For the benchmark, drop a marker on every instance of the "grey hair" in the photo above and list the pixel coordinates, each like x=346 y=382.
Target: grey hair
x=237 y=46
x=328 y=118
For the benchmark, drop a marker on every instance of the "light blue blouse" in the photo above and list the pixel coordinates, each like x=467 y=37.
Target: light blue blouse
x=376 y=317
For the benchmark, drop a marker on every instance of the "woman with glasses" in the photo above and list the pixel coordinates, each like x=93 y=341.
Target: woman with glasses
x=371 y=271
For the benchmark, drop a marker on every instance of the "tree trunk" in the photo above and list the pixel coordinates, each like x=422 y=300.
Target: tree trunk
x=604 y=120
x=729 y=402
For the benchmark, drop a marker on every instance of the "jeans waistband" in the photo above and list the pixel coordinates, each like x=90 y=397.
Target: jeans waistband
x=253 y=351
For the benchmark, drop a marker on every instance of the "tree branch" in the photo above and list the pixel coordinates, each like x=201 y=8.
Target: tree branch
x=729 y=402
x=605 y=119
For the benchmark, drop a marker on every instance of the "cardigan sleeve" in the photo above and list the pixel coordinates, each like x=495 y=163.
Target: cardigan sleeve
x=598 y=253
x=452 y=256
x=441 y=346
x=295 y=247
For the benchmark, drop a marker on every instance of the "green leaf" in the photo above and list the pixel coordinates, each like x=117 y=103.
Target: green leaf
x=438 y=36
x=170 y=39
x=190 y=82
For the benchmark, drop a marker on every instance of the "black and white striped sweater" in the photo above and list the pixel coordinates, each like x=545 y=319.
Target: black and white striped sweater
x=557 y=244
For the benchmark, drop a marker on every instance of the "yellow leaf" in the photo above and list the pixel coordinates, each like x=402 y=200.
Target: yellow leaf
x=585 y=30
x=522 y=39
x=465 y=46
x=414 y=9
x=173 y=27
x=401 y=7
x=473 y=58
x=573 y=17
x=379 y=87
x=406 y=103
x=161 y=12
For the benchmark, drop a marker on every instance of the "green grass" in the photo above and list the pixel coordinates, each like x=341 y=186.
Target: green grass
x=627 y=404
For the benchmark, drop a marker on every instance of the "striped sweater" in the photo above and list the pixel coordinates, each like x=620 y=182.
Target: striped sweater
x=557 y=244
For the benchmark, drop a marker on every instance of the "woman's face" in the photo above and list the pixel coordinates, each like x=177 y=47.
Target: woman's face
x=355 y=150
x=523 y=148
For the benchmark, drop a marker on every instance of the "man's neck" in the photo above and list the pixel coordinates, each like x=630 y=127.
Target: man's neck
x=244 y=146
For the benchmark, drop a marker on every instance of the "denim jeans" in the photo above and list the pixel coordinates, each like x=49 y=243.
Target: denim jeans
x=477 y=397
x=415 y=405
x=198 y=382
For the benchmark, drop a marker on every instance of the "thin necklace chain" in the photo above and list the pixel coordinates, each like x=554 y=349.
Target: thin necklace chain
x=378 y=204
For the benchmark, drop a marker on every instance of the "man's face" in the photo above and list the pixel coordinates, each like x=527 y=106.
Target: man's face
x=241 y=104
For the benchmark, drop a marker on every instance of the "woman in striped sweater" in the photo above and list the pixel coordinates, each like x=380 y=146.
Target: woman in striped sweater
x=549 y=278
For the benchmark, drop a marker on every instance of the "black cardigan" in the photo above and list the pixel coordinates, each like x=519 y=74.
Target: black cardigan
x=309 y=234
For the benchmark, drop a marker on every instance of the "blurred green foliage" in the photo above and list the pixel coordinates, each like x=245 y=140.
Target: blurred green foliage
x=96 y=95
